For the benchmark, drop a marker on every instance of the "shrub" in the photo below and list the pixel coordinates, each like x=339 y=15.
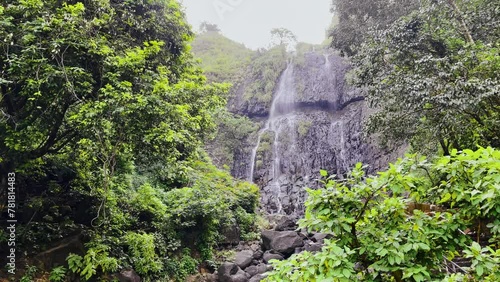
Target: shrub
x=142 y=253
x=57 y=274
x=379 y=235
x=96 y=260
x=180 y=267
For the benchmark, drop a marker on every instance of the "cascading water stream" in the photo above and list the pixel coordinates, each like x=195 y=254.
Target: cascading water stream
x=313 y=123
x=281 y=121
x=282 y=104
x=327 y=62
x=254 y=150
x=286 y=100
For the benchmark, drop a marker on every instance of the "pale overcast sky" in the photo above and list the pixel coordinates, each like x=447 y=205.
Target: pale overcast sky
x=250 y=21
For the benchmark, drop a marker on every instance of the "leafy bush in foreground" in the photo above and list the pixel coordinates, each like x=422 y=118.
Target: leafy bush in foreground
x=379 y=234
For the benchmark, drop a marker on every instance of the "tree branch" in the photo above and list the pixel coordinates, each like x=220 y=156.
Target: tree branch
x=461 y=20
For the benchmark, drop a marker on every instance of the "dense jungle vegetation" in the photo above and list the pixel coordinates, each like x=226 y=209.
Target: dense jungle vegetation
x=120 y=140
x=104 y=114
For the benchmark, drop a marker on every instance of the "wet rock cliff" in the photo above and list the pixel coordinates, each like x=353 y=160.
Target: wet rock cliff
x=314 y=122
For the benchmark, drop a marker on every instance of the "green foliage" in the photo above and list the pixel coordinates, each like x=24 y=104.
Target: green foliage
x=211 y=199
x=356 y=19
x=336 y=262
x=232 y=133
x=378 y=237
x=142 y=253
x=57 y=274
x=485 y=263
x=262 y=222
x=147 y=199
x=222 y=59
x=29 y=273
x=283 y=37
x=180 y=267
x=474 y=192
x=84 y=70
x=247 y=223
x=149 y=223
x=303 y=128
x=96 y=260
x=104 y=115
x=434 y=83
x=264 y=73
x=225 y=255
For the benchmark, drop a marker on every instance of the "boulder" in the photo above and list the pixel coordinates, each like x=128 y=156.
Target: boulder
x=257 y=278
x=230 y=272
x=202 y=277
x=231 y=234
x=269 y=255
x=286 y=223
x=313 y=247
x=261 y=268
x=299 y=250
x=128 y=275
x=258 y=254
x=211 y=277
x=255 y=247
x=320 y=237
x=243 y=258
x=283 y=242
x=57 y=253
x=252 y=270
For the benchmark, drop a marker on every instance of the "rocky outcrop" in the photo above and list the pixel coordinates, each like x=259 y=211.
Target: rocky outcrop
x=283 y=242
x=272 y=255
x=286 y=223
x=320 y=79
x=253 y=261
x=128 y=275
x=314 y=123
x=244 y=258
x=230 y=272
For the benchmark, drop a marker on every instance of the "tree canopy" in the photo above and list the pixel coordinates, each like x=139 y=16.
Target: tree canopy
x=283 y=37
x=116 y=72
x=208 y=27
x=103 y=116
x=358 y=18
x=434 y=76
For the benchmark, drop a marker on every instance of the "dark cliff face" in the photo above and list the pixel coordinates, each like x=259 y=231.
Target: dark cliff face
x=314 y=122
x=320 y=78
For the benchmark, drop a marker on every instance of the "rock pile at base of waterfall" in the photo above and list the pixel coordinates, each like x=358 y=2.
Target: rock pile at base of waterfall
x=252 y=261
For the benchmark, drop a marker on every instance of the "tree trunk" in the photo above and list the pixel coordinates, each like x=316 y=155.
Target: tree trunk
x=444 y=147
x=398 y=275
x=461 y=20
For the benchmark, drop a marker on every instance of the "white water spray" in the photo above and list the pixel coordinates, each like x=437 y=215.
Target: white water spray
x=282 y=104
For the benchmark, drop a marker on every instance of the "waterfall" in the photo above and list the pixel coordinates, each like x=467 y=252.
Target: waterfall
x=337 y=129
x=305 y=132
x=282 y=103
x=328 y=64
x=281 y=106
x=307 y=129
x=254 y=150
